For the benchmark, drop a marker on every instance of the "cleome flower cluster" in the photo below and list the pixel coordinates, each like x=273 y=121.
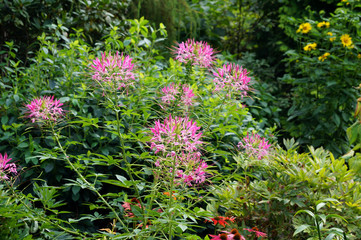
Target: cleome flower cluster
x=177 y=139
x=255 y=146
x=113 y=72
x=6 y=167
x=194 y=53
x=177 y=94
x=232 y=78
x=43 y=110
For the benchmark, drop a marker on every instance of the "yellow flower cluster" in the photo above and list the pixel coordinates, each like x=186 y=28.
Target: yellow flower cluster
x=310 y=46
x=323 y=24
x=346 y=41
x=332 y=38
x=323 y=57
x=304 y=28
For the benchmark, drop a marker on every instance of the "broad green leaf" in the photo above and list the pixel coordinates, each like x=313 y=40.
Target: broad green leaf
x=301 y=229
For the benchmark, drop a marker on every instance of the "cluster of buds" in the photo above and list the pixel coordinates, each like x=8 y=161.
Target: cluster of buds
x=194 y=53
x=175 y=94
x=255 y=146
x=6 y=167
x=178 y=141
x=231 y=78
x=43 y=110
x=113 y=72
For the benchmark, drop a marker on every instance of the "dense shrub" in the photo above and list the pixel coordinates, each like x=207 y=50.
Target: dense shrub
x=322 y=72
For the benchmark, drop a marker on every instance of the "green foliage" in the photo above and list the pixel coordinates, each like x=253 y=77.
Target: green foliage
x=318 y=116
x=22 y=21
x=273 y=194
x=180 y=19
x=93 y=175
x=97 y=158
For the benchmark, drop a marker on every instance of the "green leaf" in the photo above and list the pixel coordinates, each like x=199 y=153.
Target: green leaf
x=336 y=216
x=306 y=211
x=182 y=226
x=4 y=120
x=320 y=205
x=301 y=229
x=330 y=236
x=23 y=145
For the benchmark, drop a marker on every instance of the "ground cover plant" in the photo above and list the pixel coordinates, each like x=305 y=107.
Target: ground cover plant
x=115 y=141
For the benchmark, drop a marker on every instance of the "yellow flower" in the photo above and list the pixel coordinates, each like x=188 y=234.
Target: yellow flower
x=346 y=40
x=323 y=24
x=332 y=38
x=310 y=46
x=359 y=56
x=346 y=1
x=323 y=57
x=304 y=28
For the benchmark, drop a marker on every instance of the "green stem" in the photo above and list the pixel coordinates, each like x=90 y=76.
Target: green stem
x=129 y=170
x=91 y=186
x=214 y=115
x=318 y=228
x=170 y=202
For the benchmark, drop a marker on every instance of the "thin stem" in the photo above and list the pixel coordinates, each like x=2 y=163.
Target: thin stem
x=129 y=170
x=217 y=112
x=91 y=186
x=318 y=228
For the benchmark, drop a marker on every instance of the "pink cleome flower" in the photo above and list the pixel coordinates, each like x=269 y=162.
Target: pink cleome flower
x=256 y=231
x=6 y=167
x=44 y=109
x=190 y=169
x=254 y=145
x=232 y=78
x=175 y=134
x=113 y=70
x=179 y=139
x=172 y=94
x=195 y=53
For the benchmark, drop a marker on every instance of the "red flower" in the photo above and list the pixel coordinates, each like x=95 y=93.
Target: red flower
x=222 y=220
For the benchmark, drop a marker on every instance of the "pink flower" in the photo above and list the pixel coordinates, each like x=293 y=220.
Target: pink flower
x=44 y=109
x=191 y=169
x=170 y=93
x=113 y=72
x=194 y=53
x=232 y=78
x=227 y=236
x=173 y=94
x=128 y=207
x=187 y=96
x=6 y=167
x=175 y=134
x=256 y=231
x=254 y=145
